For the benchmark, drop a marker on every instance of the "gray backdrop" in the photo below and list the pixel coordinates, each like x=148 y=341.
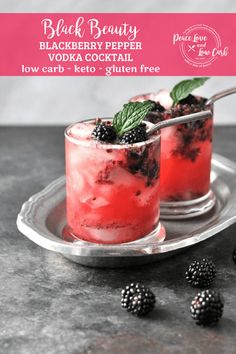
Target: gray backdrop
x=61 y=100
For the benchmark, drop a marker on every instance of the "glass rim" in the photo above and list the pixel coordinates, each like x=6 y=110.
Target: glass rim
x=101 y=145
x=156 y=92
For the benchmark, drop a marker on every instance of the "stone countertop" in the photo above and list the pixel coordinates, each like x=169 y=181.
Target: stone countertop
x=51 y=305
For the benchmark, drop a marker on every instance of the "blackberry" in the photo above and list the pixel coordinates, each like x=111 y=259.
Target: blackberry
x=201 y=273
x=156 y=114
x=234 y=255
x=137 y=299
x=157 y=107
x=207 y=307
x=104 y=132
x=190 y=99
x=135 y=135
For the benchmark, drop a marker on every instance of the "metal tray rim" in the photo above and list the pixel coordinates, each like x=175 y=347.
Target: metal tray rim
x=32 y=217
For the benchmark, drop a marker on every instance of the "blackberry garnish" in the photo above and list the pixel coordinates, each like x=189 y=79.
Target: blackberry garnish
x=156 y=114
x=157 y=107
x=137 y=299
x=201 y=273
x=104 y=132
x=207 y=307
x=135 y=135
x=190 y=99
x=234 y=255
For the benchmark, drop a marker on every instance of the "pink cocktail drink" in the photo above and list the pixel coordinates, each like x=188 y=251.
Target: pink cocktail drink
x=186 y=149
x=112 y=190
x=186 y=161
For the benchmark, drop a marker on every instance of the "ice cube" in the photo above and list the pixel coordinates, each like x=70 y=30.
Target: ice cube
x=78 y=182
x=82 y=130
x=121 y=176
x=80 y=156
x=145 y=97
x=163 y=97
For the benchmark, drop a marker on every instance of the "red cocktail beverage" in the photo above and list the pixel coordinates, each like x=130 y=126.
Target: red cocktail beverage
x=186 y=161
x=112 y=189
x=186 y=149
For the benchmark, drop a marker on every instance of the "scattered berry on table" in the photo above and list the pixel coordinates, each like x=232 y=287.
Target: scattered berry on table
x=207 y=307
x=137 y=299
x=104 y=132
x=201 y=273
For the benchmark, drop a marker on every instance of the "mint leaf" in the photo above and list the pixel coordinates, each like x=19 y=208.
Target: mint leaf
x=131 y=116
x=185 y=87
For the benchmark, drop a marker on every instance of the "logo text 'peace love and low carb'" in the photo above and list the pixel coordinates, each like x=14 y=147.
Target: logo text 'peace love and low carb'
x=200 y=45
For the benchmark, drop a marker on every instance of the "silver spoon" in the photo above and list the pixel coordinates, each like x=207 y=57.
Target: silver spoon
x=191 y=117
x=179 y=120
x=220 y=94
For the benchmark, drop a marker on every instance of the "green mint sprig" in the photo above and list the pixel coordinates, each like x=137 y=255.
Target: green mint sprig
x=185 y=87
x=131 y=116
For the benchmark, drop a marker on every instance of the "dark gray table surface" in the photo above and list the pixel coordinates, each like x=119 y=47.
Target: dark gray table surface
x=53 y=306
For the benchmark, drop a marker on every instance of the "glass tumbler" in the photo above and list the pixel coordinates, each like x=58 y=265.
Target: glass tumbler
x=186 y=151
x=112 y=190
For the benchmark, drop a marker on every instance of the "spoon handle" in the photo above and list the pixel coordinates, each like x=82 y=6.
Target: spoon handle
x=179 y=120
x=221 y=94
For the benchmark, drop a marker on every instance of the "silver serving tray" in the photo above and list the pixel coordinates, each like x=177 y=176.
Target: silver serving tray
x=43 y=217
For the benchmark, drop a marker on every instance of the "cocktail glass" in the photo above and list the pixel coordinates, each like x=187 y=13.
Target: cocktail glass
x=186 y=151
x=112 y=190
